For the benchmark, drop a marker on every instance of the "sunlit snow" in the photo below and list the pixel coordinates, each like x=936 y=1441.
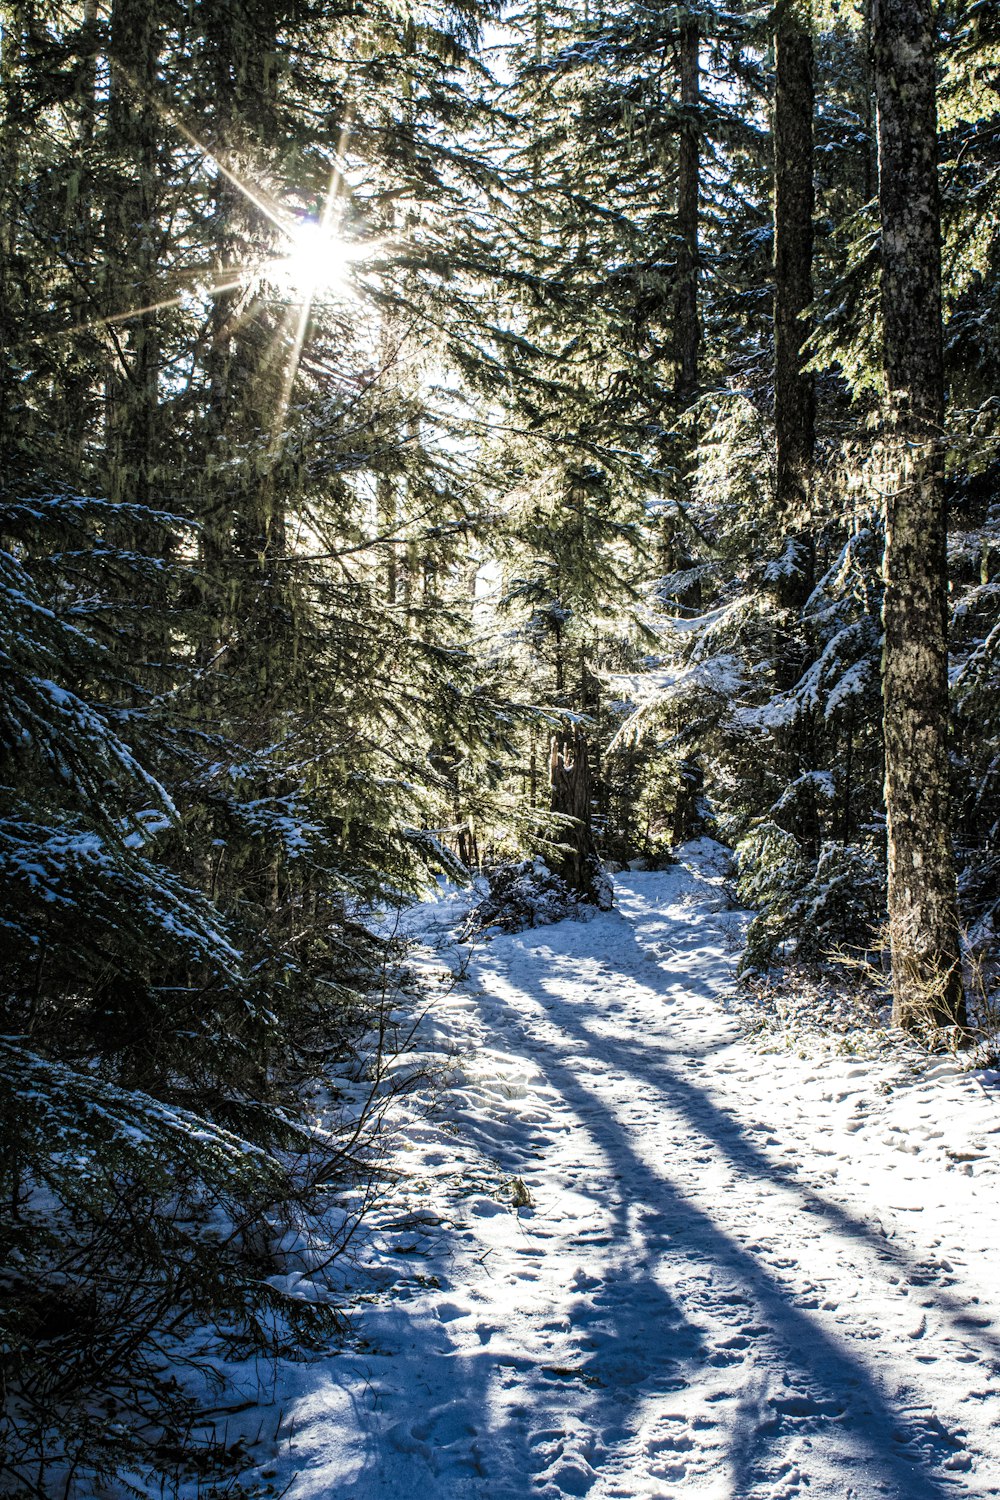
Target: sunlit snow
x=740 y=1273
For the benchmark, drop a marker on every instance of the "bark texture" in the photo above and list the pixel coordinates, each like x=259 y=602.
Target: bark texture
x=688 y=191
x=11 y=126
x=133 y=254
x=675 y=539
x=242 y=501
x=923 y=907
x=570 y=783
x=794 y=389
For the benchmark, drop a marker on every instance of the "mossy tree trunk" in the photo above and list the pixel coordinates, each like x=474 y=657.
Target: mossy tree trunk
x=923 y=908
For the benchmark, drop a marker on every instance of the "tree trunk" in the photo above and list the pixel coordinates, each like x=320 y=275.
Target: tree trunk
x=12 y=121
x=688 y=191
x=923 y=907
x=675 y=535
x=82 y=385
x=870 y=161
x=569 y=779
x=687 y=822
x=675 y=539
x=243 y=513
x=132 y=248
x=132 y=254
x=794 y=389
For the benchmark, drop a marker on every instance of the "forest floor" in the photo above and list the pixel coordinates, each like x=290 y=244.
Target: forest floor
x=751 y=1265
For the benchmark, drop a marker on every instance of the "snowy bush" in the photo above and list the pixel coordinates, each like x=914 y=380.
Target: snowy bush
x=824 y=1010
x=126 y=1270
x=168 y=980
x=527 y=893
x=808 y=908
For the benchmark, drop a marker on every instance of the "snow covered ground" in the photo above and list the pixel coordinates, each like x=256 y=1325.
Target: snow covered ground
x=741 y=1273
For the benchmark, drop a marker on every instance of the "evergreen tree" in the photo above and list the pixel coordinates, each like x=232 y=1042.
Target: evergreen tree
x=219 y=744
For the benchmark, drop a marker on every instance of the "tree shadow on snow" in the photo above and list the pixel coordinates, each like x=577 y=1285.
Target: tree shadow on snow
x=833 y=1397
x=497 y=1422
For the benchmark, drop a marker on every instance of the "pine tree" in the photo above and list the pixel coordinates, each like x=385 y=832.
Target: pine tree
x=218 y=745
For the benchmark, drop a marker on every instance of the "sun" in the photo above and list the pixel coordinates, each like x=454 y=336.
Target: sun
x=315 y=263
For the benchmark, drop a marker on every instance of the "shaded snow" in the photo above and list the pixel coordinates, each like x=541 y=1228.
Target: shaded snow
x=739 y=1275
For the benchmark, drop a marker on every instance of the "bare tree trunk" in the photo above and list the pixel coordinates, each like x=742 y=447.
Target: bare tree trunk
x=870 y=180
x=923 y=906
x=794 y=389
x=688 y=193
x=11 y=127
x=687 y=821
x=676 y=543
x=243 y=513
x=83 y=379
x=133 y=436
x=132 y=254
x=569 y=780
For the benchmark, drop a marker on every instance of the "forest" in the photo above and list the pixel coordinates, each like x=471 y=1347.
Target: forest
x=445 y=442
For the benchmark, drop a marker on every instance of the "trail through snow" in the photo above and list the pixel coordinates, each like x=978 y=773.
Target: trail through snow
x=740 y=1274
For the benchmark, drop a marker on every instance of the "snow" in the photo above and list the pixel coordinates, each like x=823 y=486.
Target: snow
x=631 y=1253
x=642 y=692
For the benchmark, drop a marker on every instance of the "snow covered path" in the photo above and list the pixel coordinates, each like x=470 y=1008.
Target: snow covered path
x=741 y=1274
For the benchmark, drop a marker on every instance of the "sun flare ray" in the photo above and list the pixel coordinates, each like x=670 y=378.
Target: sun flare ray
x=313 y=261
x=309 y=251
